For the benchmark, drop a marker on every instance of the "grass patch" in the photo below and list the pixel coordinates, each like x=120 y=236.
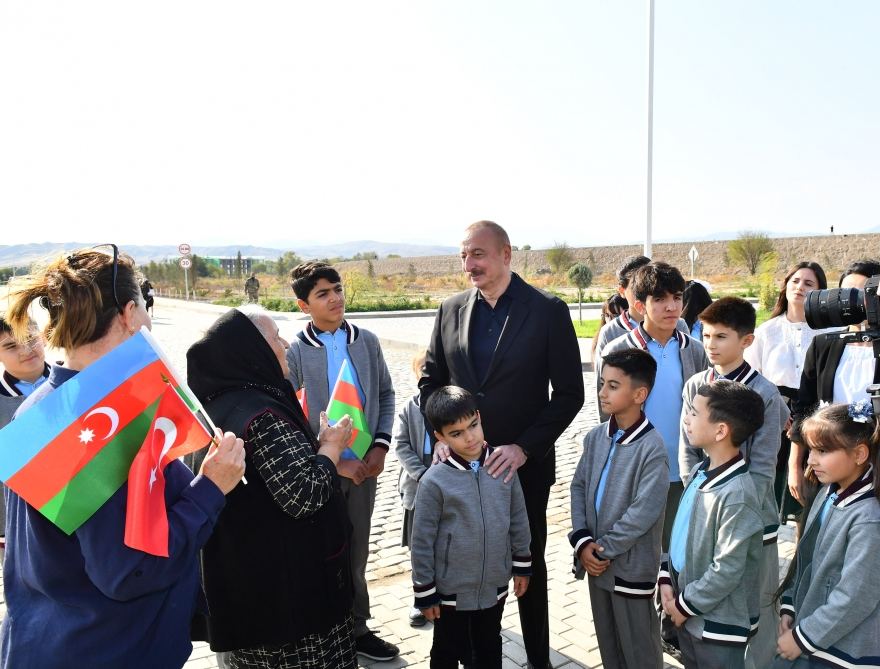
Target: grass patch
x=586 y=329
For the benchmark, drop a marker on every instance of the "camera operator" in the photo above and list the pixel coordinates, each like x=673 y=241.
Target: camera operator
x=835 y=371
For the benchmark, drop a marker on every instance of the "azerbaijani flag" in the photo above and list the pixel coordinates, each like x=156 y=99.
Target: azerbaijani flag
x=71 y=451
x=174 y=431
x=345 y=399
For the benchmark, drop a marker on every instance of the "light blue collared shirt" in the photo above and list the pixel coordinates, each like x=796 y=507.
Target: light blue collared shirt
x=27 y=387
x=826 y=507
x=600 y=490
x=663 y=407
x=681 y=527
x=336 y=346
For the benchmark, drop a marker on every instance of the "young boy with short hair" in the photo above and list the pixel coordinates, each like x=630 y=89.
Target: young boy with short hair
x=470 y=534
x=315 y=357
x=709 y=581
x=629 y=319
x=617 y=497
x=728 y=329
x=24 y=370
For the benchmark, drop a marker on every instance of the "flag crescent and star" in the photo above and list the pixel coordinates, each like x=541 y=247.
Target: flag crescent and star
x=63 y=460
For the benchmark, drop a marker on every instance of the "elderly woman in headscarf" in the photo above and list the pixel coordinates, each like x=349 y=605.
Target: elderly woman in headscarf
x=276 y=568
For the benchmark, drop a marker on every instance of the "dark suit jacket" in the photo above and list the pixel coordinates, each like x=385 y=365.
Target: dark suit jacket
x=817 y=379
x=537 y=348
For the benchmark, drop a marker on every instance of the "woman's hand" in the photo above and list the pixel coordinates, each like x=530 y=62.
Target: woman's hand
x=796 y=473
x=224 y=463
x=334 y=439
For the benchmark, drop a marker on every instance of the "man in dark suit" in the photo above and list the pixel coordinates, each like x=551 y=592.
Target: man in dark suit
x=508 y=343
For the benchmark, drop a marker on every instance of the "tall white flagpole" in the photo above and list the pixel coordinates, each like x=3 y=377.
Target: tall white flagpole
x=650 y=196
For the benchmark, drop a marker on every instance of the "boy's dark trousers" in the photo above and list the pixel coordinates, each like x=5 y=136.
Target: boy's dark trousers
x=470 y=637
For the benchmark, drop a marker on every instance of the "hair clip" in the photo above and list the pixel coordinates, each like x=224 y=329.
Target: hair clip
x=861 y=411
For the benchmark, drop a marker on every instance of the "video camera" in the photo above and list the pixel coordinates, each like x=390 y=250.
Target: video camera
x=837 y=307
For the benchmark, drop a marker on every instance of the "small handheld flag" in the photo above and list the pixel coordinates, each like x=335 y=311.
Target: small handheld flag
x=174 y=431
x=70 y=452
x=345 y=399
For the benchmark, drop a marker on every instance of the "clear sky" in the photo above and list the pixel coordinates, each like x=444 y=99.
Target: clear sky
x=284 y=120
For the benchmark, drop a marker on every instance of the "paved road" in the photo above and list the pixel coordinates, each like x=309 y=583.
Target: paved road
x=178 y=324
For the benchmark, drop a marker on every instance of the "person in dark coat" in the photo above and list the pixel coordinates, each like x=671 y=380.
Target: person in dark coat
x=276 y=568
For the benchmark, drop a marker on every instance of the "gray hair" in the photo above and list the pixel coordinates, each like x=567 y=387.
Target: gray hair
x=257 y=315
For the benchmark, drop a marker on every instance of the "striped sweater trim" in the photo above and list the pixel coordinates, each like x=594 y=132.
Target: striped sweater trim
x=726 y=635
x=8 y=381
x=457 y=462
x=832 y=656
x=857 y=491
x=426 y=595
x=638 y=429
x=664 y=577
x=633 y=589
x=502 y=593
x=771 y=534
x=687 y=609
x=639 y=338
x=522 y=565
x=743 y=374
x=579 y=539
x=723 y=473
x=623 y=321
x=309 y=334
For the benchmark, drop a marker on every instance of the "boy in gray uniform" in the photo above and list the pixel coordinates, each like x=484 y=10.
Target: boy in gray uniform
x=470 y=533
x=709 y=583
x=728 y=329
x=617 y=498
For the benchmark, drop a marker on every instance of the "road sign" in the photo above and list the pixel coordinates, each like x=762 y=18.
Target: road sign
x=186 y=263
x=184 y=249
x=692 y=256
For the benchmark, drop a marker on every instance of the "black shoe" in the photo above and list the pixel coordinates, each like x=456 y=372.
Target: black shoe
x=417 y=618
x=371 y=646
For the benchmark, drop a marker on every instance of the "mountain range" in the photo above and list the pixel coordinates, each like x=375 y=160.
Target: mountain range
x=24 y=254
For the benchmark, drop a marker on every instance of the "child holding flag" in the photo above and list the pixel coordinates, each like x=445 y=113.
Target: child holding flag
x=330 y=355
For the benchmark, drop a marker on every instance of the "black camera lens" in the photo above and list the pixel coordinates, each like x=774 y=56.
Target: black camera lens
x=835 y=307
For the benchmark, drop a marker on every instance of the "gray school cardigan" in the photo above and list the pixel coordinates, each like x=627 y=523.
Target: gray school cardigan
x=470 y=533
x=630 y=520
x=718 y=588
x=760 y=450
x=409 y=444
x=835 y=597
x=307 y=360
x=693 y=357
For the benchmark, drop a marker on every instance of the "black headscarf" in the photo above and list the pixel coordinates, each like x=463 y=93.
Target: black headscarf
x=235 y=373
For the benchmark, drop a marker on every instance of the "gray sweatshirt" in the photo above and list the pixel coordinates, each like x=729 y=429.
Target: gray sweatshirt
x=409 y=445
x=307 y=360
x=629 y=523
x=470 y=533
x=835 y=598
x=760 y=450
x=718 y=587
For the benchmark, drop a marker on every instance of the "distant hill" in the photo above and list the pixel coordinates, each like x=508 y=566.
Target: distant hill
x=24 y=254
